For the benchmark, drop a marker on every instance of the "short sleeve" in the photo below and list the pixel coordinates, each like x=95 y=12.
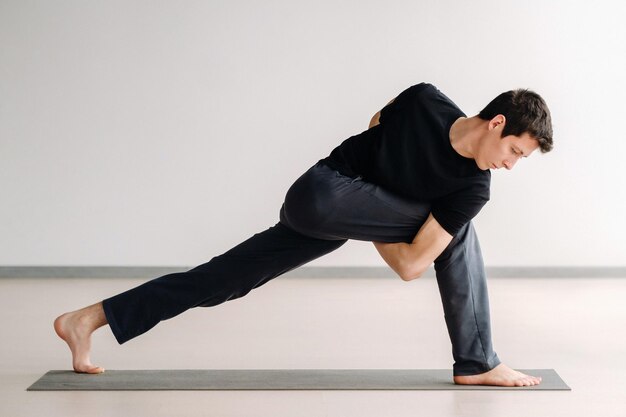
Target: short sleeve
x=455 y=210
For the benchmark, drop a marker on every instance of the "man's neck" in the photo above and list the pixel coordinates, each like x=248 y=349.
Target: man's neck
x=464 y=135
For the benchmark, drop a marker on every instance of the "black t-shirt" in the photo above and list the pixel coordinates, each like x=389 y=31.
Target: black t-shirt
x=409 y=153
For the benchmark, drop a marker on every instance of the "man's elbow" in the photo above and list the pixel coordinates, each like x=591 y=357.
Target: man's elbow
x=411 y=272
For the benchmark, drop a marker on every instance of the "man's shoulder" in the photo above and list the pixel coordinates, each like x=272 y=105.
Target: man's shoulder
x=421 y=87
x=414 y=93
x=428 y=93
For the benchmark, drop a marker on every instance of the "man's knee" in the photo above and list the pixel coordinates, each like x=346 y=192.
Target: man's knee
x=305 y=208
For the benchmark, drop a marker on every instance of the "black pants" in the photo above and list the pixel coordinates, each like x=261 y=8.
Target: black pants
x=322 y=210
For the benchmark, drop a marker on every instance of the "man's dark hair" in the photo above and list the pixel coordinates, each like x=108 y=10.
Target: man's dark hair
x=525 y=111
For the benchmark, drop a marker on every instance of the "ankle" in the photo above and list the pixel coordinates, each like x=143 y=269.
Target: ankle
x=92 y=316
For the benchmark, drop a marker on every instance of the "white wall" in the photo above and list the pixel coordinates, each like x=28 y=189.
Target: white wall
x=164 y=133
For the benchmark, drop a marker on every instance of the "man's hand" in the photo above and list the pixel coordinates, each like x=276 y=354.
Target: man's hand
x=410 y=260
x=375 y=119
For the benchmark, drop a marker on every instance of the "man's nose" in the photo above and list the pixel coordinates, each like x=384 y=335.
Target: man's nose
x=510 y=164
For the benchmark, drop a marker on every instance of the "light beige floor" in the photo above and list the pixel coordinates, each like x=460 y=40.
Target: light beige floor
x=575 y=326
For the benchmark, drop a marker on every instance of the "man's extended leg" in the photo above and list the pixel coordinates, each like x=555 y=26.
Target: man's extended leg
x=231 y=275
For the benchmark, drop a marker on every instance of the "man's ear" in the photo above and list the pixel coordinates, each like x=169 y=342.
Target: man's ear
x=498 y=120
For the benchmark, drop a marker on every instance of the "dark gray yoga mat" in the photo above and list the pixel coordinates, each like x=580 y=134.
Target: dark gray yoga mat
x=274 y=379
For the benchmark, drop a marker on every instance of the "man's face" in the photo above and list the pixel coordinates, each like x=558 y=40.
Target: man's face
x=503 y=152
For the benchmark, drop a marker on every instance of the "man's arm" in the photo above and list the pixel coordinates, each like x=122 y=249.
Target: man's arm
x=376 y=117
x=410 y=260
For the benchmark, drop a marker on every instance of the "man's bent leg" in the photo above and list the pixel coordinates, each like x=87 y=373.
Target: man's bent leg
x=326 y=204
x=463 y=288
x=231 y=275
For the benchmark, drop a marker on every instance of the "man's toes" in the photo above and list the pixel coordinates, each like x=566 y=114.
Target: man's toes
x=535 y=380
x=88 y=370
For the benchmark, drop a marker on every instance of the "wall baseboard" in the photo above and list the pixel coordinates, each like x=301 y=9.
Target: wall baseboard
x=148 y=272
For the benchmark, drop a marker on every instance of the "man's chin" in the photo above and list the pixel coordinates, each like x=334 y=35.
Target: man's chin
x=484 y=167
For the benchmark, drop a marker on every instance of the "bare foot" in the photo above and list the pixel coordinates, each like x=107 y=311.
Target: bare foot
x=76 y=328
x=501 y=375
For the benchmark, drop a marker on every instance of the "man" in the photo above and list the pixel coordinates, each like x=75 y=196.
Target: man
x=411 y=183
